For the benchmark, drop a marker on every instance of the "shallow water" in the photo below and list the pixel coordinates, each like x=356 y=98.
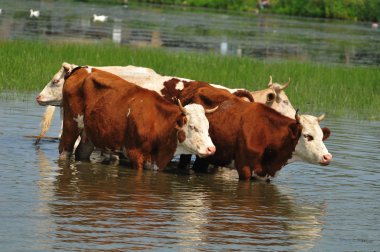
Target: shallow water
x=46 y=205
x=260 y=36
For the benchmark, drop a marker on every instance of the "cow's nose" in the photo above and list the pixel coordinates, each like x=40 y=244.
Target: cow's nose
x=211 y=150
x=38 y=98
x=326 y=159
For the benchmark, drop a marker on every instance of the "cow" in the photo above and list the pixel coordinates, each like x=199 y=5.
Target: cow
x=309 y=148
x=115 y=115
x=250 y=137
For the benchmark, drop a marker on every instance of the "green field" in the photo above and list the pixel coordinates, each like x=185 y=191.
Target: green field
x=315 y=88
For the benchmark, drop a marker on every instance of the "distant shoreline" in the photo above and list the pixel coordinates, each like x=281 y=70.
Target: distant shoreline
x=367 y=10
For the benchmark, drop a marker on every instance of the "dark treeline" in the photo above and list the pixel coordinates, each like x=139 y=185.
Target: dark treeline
x=358 y=10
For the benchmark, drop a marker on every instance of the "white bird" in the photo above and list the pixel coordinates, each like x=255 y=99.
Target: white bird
x=100 y=18
x=34 y=13
x=1 y=10
x=375 y=25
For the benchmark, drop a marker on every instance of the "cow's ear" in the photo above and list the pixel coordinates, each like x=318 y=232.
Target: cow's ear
x=181 y=136
x=326 y=133
x=181 y=121
x=270 y=97
x=295 y=130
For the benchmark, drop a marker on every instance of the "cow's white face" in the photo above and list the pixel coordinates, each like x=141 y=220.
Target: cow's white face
x=274 y=96
x=310 y=147
x=52 y=92
x=197 y=141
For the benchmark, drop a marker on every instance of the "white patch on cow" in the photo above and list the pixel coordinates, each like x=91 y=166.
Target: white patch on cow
x=310 y=147
x=80 y=121
x=180 y=85
x=88 y=69
x=197 y=140
x=129 y=112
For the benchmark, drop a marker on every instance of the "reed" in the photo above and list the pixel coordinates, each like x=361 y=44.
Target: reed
x=315 y=88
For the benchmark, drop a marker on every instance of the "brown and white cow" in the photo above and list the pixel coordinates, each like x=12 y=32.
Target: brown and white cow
x=250 y=137
x=115 y=115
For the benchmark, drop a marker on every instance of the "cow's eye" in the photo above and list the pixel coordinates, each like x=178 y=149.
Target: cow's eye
x=286 y=102
x=55 y=82
x=308 y=137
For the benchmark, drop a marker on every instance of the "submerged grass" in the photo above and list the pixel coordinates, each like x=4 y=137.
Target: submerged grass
x=315 y=88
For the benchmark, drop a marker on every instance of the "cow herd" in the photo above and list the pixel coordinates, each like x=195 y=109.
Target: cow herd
x=147 y=118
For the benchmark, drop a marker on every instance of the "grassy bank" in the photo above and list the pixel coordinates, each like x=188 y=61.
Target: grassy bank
x=315 y=88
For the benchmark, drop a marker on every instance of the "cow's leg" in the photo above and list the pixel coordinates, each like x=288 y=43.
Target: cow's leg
x=84 y=149
x=201 y=165
x=137 y=158
x=184 y=161
x=70 y=133
x=244 y=172
x=248 y=162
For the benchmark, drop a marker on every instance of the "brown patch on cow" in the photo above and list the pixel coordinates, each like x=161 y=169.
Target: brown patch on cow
x=181 y=135
x=326 y=133
x=204 y=94
x=169 y=92
x=244 y=94
x=181 y=121
x=295 y=130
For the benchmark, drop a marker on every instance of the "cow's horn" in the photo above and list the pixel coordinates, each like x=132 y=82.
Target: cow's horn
x=297 y=116
x=270 y=81
x=211 y=110
x=66 y=66
x=181 y=107
x=285 y=85
x=321 y=117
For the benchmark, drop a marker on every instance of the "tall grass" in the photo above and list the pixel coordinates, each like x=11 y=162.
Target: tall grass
x=315 y=88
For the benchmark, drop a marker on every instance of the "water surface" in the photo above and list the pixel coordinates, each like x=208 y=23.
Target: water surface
x=46 y=205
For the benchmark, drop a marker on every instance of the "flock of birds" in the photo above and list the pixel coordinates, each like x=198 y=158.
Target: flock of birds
x=103 y=18
x=36 y=14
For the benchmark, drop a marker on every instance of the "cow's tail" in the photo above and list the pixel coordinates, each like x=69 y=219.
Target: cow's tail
x=46 y=122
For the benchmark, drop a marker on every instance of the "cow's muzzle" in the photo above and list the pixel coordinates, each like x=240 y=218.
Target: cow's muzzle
x=326 y=159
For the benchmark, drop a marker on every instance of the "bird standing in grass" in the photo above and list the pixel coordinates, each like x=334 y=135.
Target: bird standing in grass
x=34 y=13
x=99 y=18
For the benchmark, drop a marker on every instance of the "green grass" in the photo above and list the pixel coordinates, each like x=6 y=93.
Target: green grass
x=315 y=88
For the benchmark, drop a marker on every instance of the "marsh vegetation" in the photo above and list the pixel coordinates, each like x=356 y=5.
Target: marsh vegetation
x=315 y=88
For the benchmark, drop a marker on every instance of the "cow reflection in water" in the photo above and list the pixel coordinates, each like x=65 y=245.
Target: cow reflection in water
x=108 y=206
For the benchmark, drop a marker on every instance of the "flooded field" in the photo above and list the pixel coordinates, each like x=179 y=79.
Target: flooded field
x=259 y=36
x=51 y=206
